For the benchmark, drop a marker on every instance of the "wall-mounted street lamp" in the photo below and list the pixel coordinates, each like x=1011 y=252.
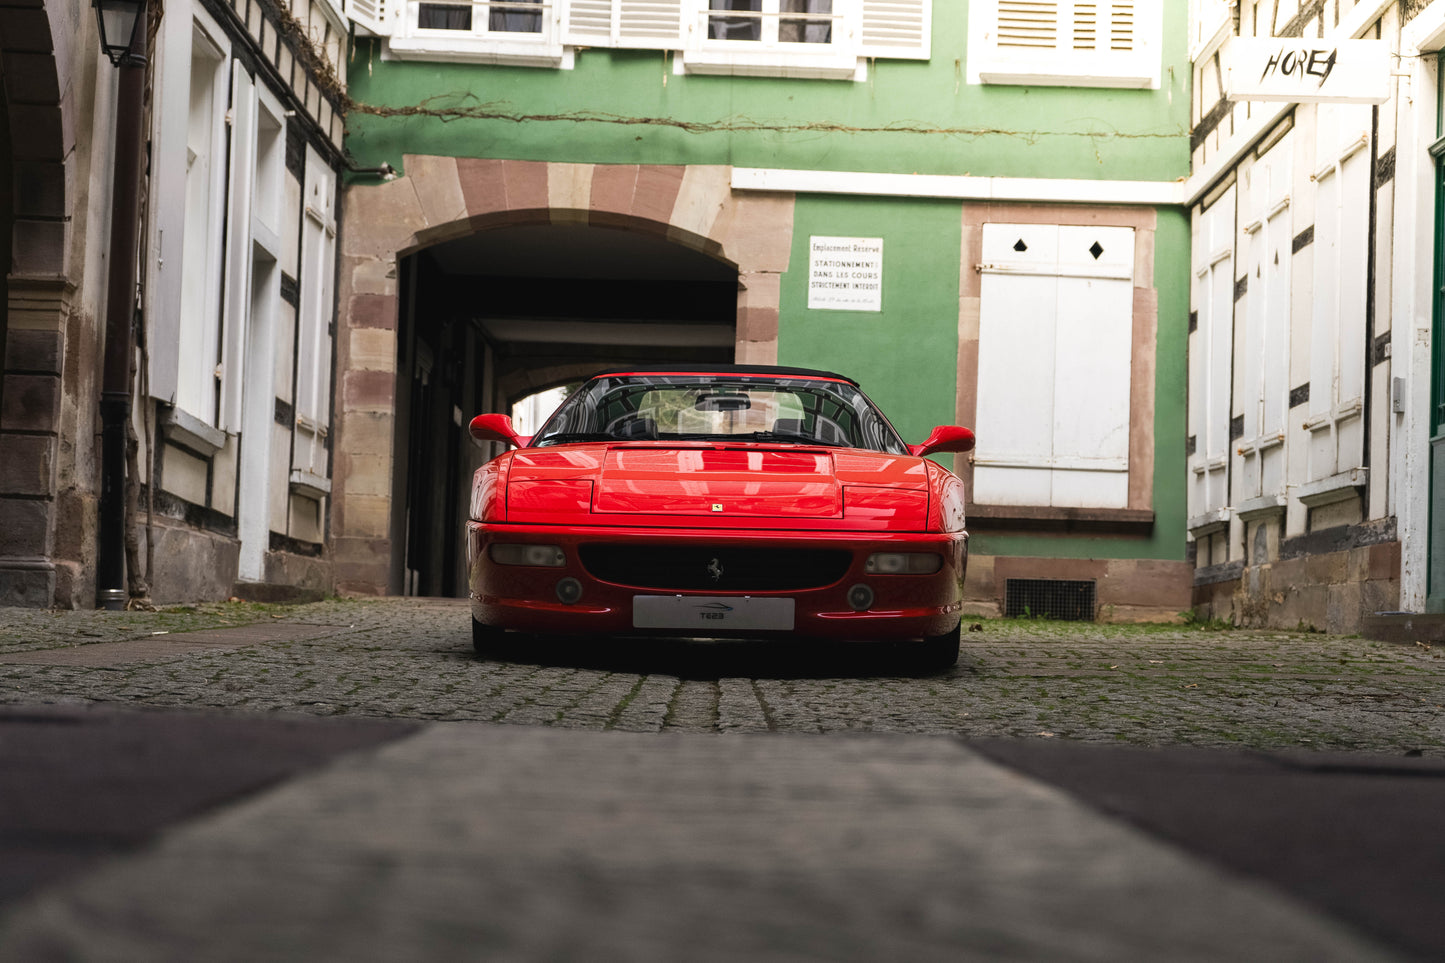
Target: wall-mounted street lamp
x=119 y=20
x=123 y=38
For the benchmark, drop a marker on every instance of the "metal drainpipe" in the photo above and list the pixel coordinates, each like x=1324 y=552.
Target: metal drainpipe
x=115 y=392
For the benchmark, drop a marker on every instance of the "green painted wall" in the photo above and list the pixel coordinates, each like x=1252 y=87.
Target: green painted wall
x=905 y=356
x=831 y=125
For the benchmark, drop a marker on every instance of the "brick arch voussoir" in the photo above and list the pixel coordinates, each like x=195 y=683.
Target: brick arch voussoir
x=442 y=232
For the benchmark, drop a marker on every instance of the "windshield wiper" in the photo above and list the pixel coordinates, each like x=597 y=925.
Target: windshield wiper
x=788 y=436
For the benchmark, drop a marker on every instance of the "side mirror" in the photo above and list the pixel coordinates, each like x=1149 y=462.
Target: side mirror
x=944 y=438
x=494 y=427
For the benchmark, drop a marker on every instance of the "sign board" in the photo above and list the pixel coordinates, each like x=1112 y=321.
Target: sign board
x=1307 y=71
x=845 y=273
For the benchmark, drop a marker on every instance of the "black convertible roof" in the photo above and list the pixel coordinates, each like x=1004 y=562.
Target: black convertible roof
x=687 y=367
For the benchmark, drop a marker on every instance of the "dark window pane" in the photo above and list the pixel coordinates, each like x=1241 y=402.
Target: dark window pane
x=802 y=29
x=444 y=16
x=723 y=27
x=509 y=17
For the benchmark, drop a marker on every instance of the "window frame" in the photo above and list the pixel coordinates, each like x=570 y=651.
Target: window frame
x=198 y=310
x=1077 y=472
x=1211 y=353
x=315 y=329
x=1062 y=65
x=838 y=58
x=480 y=43
x=1338 y=353
x=1268 y=234
x=863 y=30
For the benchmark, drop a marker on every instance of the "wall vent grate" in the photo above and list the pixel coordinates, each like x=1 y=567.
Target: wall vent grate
x=1069 y=600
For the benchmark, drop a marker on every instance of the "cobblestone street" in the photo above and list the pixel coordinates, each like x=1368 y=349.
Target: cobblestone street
x=412 y=659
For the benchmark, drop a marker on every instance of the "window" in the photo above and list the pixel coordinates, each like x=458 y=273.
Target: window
x=200 y=247
x=523 y=32
x=1055 y=351
x=1211 y=343
x=769 y=21
x=1337 y=324
x=692 y=407
x=792 y=38
x=313 y=327
x=515 y=16
x=1079 y=43
x=1264 y=392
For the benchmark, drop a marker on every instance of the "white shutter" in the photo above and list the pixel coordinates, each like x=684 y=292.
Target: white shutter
x=375 y=17
x=899 y=29
x=1093 y=354
x=646 y=24
x=313 y=336
x=1055 y=353
x=1210 y=355
x=588 y=23
x=1088 y=43
x=1052 y=25
x=1028 y=23
x=236 y=308
x=1015 y=410
x=1121 y=27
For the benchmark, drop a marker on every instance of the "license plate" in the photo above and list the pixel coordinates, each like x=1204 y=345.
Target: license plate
x=702 y=612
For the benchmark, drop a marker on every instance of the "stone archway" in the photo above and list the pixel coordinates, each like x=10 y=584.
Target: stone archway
x=443 y=198
x=41 y=49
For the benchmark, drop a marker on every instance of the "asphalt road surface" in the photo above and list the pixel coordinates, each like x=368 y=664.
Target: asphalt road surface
x=1067 y=792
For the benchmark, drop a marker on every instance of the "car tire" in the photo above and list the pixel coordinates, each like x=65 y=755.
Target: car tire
x=938 y=653
x=485 y=638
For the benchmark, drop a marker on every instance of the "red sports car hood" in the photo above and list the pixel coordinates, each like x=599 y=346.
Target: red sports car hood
x=722 y=481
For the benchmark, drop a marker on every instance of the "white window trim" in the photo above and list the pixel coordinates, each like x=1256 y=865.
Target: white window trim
x=1211 y=355
x=202 y=396
x=1266 y=363
x=863 y=30
x=837 y=59
x=314 y=318
x=988 y=64
x=481 y=44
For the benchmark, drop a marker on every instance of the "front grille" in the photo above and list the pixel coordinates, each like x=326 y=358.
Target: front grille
x=1071 y=600
x=715 y=567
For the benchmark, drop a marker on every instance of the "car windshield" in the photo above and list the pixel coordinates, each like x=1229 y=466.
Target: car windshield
x=681 y=407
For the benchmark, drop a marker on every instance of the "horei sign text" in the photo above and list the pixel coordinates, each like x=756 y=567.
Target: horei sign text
x=1303 y=70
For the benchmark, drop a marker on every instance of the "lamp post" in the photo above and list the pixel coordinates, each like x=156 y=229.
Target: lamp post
x=123 y=38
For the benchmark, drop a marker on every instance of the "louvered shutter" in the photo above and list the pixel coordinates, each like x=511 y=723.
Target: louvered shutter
x=376 y=17
x=895 y=28
x=1053 y=25
x=650 y=24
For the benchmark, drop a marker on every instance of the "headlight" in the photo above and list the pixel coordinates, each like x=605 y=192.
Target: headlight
x=903 y=563
x=548 y=556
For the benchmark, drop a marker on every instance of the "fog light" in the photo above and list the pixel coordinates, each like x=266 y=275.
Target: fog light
x=860 y=597
x=903 y=563
x=549 y=556
x=569 y=590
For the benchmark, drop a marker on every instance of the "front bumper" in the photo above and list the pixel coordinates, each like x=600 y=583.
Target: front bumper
x=903 y=607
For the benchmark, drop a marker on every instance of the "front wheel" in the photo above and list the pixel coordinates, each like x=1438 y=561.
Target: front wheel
x=485 y=638
x=938 y=653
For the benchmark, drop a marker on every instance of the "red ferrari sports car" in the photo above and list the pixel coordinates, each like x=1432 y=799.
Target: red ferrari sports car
x=736 y=501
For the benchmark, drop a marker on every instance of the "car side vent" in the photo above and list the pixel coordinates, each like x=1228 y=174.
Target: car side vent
x=1070 y=600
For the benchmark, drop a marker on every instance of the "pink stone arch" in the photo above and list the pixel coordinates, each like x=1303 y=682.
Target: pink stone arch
x=444 y=198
